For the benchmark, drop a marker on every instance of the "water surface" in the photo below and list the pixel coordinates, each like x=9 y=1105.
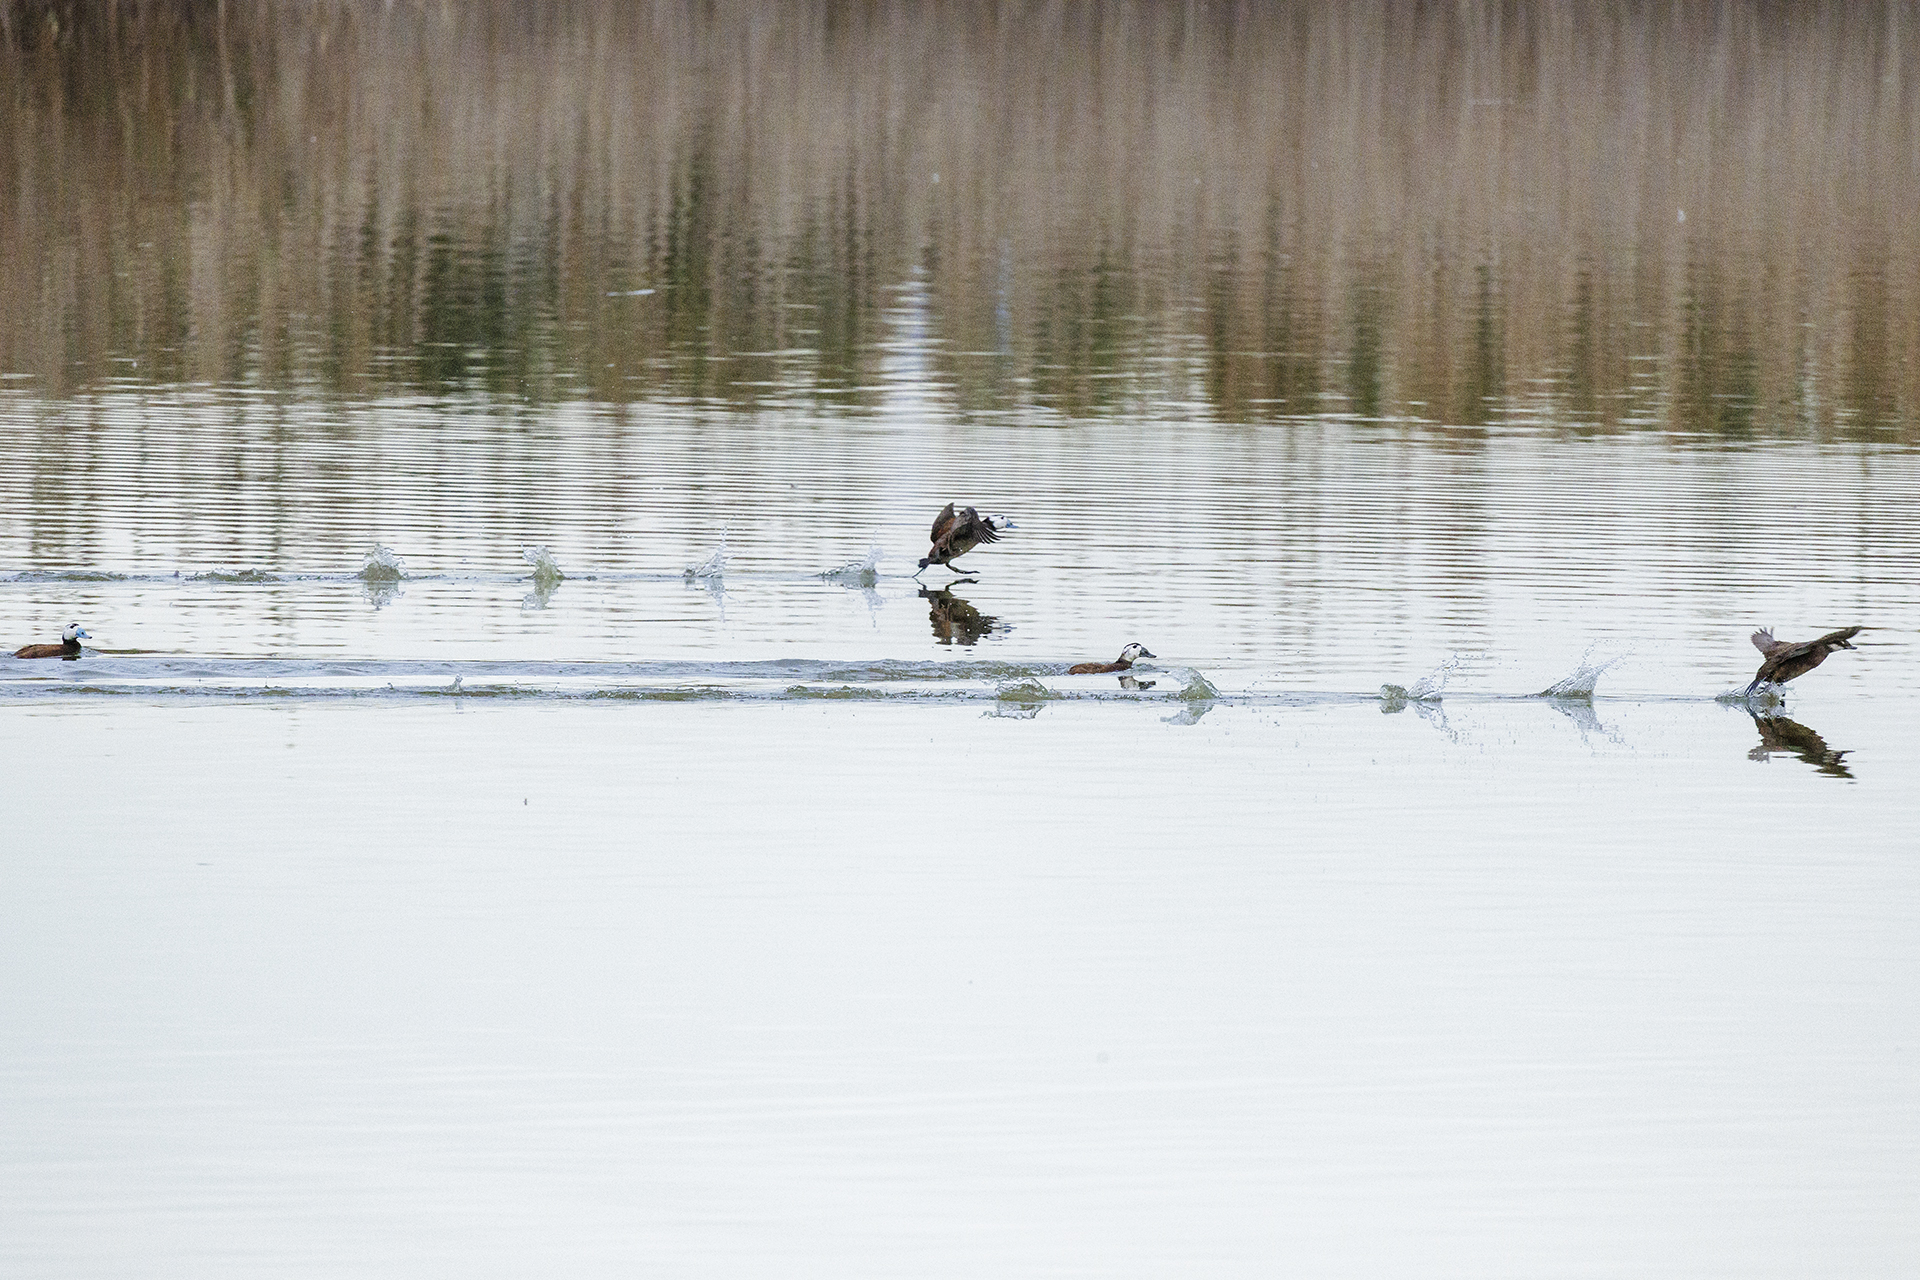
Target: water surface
x=520 y=811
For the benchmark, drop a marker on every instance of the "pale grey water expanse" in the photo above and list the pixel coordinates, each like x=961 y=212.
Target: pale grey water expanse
x=517 y=812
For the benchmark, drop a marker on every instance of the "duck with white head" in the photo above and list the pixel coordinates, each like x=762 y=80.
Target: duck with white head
x=1128 y=656
x=69 y=646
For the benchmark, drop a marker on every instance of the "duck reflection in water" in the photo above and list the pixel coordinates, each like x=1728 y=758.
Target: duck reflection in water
x=1781 y=736
x=954 y=620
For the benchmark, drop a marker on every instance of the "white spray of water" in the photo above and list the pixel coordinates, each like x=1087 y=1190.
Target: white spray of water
x=1428 y=687
x=1024 y=690
x=546 y=570
x=1432 y=684
x=1584 y=678
x=1194 y=687
x=381 y=565
x=713 y=566
x=864 y=572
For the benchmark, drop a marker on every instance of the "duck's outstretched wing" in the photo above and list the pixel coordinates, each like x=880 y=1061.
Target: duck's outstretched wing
x=1763 y=641
x=972 y=526
x=943 y=522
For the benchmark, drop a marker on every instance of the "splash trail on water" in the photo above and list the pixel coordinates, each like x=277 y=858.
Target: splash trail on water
x=1584 y=678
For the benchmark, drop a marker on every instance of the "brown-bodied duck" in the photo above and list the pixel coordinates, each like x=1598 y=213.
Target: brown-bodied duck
x=957 y=532
x=1782 y=660
x=1128 y=656
x=69 y=646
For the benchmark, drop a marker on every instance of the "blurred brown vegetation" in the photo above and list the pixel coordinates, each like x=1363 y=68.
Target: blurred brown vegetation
x=1699 y=218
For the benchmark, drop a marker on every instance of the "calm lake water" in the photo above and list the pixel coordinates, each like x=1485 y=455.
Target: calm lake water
x=518 y=811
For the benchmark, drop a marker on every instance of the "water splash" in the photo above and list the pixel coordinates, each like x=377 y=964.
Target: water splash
x=1432 y=684
x=857 y=573
x=381 y=565
x=546 y=577
x=1195 y=690
x=380 y=575
x=1026 y=690
x=714 y=566
x=1426 y=690
x=1197 y=687
x=546 y=571
x=1584 y=678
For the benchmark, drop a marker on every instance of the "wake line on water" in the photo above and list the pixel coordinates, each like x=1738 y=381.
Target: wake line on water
x=382 y=566
x=1025 y=693
x=854 y=573
x=1194 y=698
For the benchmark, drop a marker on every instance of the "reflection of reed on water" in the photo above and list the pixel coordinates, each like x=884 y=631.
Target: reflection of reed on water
x=1781 y=736
x=954 y=620
x=1447 y=212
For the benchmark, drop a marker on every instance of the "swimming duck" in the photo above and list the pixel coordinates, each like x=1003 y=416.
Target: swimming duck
x=957 y=532
x=1128 y=656
x=69 y=646
x=1783 y=660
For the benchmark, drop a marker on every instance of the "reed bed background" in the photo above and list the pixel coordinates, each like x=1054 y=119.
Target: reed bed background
x=1698 y=218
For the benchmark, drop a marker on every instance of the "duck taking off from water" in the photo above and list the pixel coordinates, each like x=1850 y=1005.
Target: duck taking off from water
x=1128 y=656
x=957 y=532
x=1782 y=661
x=69 y=646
